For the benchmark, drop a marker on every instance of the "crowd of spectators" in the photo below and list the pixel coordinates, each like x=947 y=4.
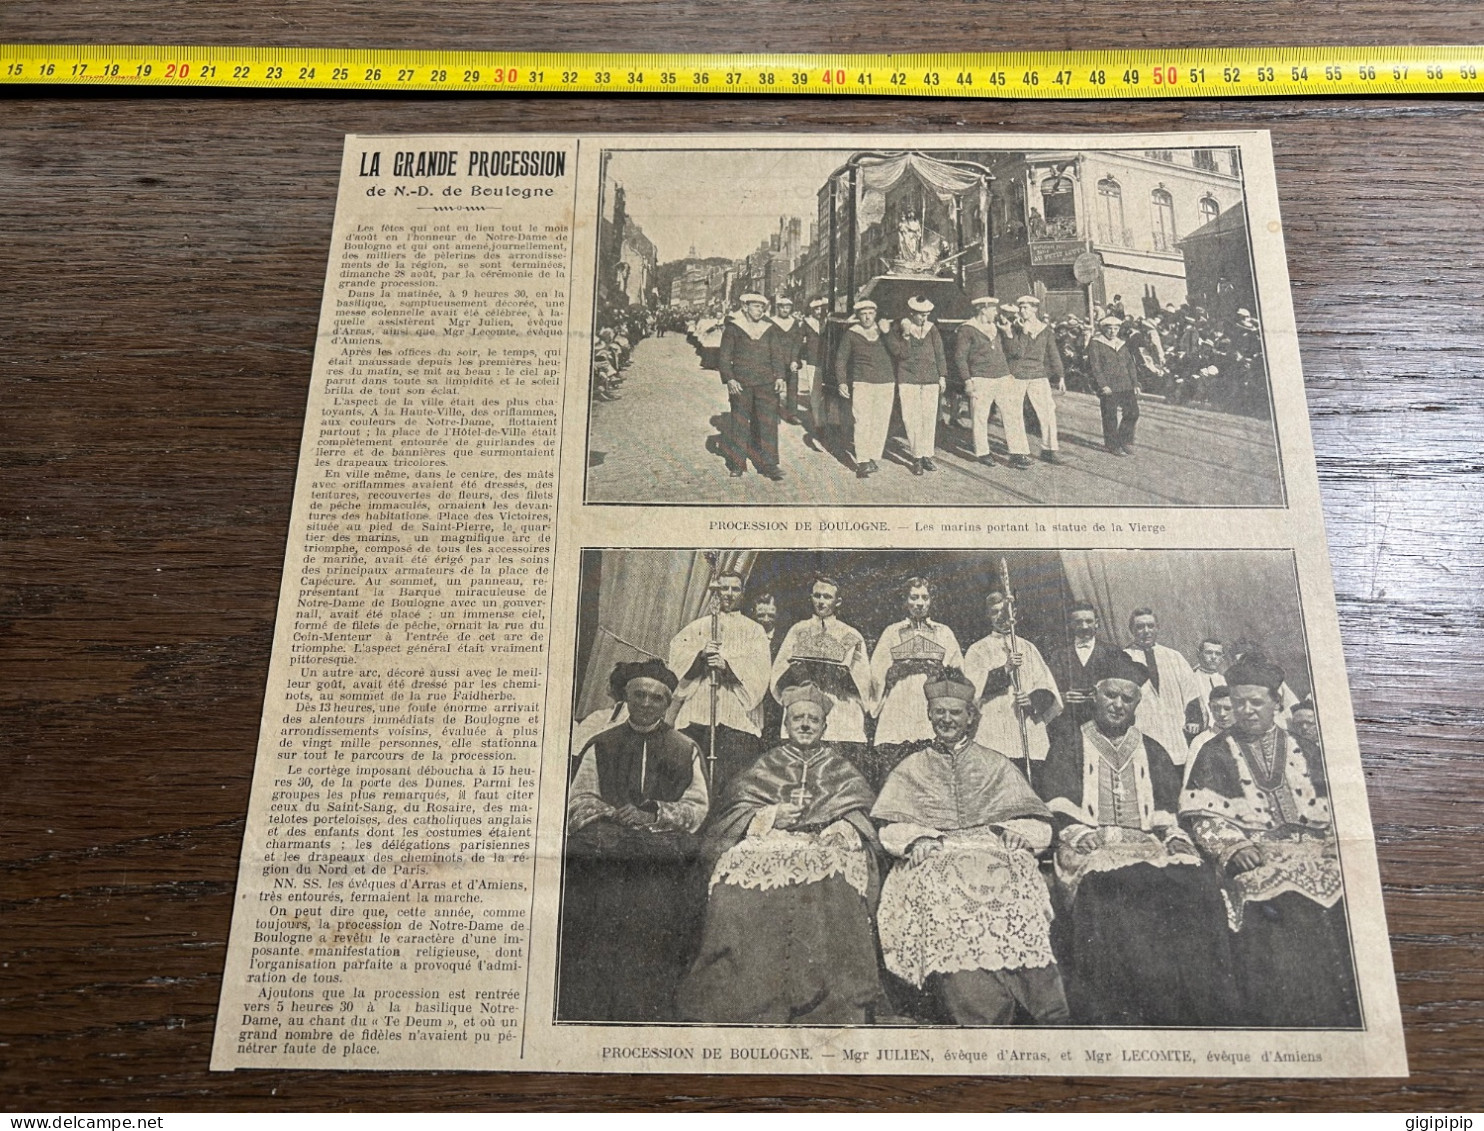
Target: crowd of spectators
x=1184 y=354
x=619 y=330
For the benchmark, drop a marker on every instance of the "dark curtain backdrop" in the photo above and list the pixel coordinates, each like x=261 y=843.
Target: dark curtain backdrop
x=634 y=601
x=1231 y=595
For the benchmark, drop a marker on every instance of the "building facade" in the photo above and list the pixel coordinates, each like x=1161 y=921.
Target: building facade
x=1076 y=228
x=627 y=259
x=695 y=284
x=637 y=266
x=766 y=270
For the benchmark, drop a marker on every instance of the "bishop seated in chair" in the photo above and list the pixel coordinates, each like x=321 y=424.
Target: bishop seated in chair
x=791 y=858
x=1141 y=925
x=1257 y=804
x=964 y=911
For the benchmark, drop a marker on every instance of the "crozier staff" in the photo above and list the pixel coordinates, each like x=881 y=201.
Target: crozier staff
x=994 y=665
x=721 y=661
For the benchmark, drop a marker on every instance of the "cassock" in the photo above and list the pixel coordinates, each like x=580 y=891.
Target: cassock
x=975 y=913
x=590 y=726
x=1171 y=698
x=831 y=655
x=1195 y=748
x=1207 y=682
x=1076 y=667
x=1142 y=933
x=629 y=913
x=740 y=691
x=788 y=936
x=906 y=656
x=1290 y=945
x=999 y=725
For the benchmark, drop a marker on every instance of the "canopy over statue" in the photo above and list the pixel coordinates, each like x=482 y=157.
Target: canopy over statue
x=903 y=225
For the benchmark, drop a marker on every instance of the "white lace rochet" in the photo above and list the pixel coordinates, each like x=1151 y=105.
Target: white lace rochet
x=1115 y=847
x=781 y=859
x=1303 y=863
x=971 y=906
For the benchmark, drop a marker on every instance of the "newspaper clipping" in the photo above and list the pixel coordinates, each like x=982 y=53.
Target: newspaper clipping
x=809 y=604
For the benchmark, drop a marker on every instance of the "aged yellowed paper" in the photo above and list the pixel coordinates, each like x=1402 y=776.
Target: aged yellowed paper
x=783 y=603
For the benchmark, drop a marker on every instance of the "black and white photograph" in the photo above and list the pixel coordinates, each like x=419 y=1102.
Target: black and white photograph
x=910 y=327
x=975 y=788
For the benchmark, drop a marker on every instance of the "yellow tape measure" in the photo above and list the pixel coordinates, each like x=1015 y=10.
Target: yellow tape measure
x=1147 y=73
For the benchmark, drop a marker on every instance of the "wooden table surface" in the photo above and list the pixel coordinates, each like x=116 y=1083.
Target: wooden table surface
x=159 y=287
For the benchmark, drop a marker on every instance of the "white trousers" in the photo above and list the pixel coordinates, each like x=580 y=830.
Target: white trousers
x=920 y=415
x=984 y=393
x=1010 y=394
x=871 y=406
x=1038 y=392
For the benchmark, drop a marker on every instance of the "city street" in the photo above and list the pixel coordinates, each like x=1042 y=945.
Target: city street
x=657 y=444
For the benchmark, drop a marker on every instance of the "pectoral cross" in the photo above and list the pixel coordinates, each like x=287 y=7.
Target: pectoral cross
x=799 y=794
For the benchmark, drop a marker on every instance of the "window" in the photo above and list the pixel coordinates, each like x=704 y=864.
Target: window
x=1110 y=212
x=1164 y=220
x=1165 y=155
x=1209 y=209
x=1058 y=210
x=1205 y=159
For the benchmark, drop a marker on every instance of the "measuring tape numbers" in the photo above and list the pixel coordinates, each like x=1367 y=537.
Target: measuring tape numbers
x=1148 y=73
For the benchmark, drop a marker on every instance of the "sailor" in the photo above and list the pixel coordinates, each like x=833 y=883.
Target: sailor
x=1112 y=366
x=922 y=374
x=753 y=366
x=979 y=353
x=1035 y=359
x=810 y=354
x=868 y=380
x=792 y=330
